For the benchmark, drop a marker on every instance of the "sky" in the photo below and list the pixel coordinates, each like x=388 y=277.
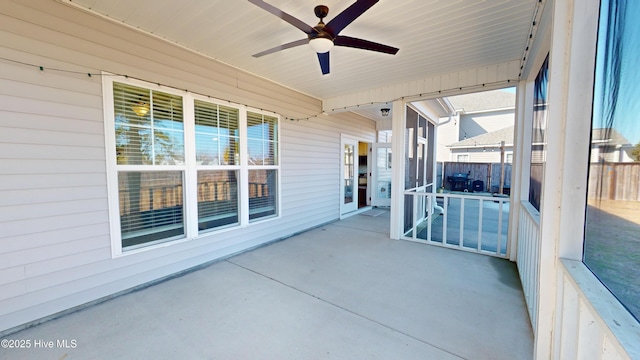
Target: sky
x=627 y=119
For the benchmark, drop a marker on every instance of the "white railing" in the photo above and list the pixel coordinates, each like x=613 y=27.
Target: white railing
x=473 y=223
x=529 y=256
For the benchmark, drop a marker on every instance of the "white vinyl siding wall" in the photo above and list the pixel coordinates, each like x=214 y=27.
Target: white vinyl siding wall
x=55 y=249
x=479 y=155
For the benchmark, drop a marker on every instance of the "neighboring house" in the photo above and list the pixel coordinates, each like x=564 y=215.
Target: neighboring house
x=485 y=148
x=610 y=146
x=476 y=114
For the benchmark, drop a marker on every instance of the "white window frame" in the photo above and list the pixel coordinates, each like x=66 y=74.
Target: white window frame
x=465 y=156
x=508 y=158
x=189 y=168
x=244 y=154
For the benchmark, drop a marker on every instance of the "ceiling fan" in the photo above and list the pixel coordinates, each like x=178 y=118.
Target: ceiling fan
x=323 y=37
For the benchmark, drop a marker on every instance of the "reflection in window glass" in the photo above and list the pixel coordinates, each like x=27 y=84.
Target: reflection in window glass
x=217 y=133
x=538 y=141
x=262 y=193
x=149 y=126
x=612 y=231
x=217 y=198
x=262 y=134
x=151 y=206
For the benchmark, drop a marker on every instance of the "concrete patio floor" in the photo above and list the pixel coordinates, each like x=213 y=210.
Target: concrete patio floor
x=340 y=291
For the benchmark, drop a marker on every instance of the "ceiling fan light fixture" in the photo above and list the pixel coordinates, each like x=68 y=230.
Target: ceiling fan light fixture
x=321 y=44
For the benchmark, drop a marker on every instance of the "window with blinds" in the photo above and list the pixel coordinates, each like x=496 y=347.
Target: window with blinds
x=262 y=144
x=149 y=132
x=262 y=193
x=217 y=154
x=217 y=134
x=262 y=135
x=181 y=166
x=149 y=126
x=151 y=206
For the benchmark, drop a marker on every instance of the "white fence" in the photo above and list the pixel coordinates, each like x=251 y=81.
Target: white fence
x=465 y=222
x=529 y=256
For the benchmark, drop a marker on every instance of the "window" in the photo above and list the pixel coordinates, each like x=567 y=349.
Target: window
x=462 y=158
x=262 y=134
x=149 y=142
x=509 y=158
x=176 y=164
x=538 y=140
x=217 y=130
x=612 y=229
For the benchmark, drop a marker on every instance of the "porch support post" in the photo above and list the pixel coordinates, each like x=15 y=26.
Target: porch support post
x=571 y=64
x=521 y=161
x=398 y=125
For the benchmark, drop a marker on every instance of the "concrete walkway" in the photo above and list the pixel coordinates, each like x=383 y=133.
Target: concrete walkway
x=341 y=291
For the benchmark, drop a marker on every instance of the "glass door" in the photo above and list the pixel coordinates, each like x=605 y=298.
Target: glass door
x=381 y=174
x=349 y=186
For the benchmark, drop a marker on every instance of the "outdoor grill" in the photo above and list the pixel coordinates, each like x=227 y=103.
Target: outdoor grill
x=459 y=182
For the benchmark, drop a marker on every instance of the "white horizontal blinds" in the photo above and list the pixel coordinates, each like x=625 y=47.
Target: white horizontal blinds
x=218 y=158
x=262 y=193
x=262 y=144
x=133 y=124
x=262 y=134
x=151 y=206
x=217 y=198
x=217 y=134
x=149 y=129
x=149 y=126
x=168 y=129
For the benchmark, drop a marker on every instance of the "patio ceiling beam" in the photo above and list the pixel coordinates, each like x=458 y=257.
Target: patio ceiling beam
x=472 y=80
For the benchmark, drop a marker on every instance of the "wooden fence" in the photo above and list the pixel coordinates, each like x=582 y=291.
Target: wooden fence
x=610 y=181
x=488 y=173
x=614 y=181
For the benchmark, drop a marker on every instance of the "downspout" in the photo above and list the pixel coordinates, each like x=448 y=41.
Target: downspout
x=446 y=104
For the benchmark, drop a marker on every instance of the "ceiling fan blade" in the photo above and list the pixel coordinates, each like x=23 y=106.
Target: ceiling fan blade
x=324 y=62
x=284 y=16
x=282 y=47
x=348 y=41
x=346 y=17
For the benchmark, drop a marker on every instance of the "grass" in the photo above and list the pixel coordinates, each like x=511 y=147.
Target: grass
x=612 y=248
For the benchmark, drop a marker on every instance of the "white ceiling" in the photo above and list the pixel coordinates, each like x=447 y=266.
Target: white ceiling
x=434 y=37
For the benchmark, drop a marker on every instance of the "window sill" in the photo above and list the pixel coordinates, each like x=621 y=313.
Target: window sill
x=624 y=327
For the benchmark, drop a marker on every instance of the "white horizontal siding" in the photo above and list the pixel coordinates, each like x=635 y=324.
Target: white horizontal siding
x=42 y=196
x=37 y=240
x=54 y=224
x=11 y=275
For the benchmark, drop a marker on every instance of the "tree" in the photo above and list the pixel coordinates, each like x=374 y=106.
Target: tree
x=635 y=152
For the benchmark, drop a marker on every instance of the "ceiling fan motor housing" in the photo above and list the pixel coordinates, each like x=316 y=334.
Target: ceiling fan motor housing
x=321 y=11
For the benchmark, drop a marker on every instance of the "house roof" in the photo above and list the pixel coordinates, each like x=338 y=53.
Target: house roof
x=484 y=101
x=495 y=137
x=616 y=137
x=487 y=140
